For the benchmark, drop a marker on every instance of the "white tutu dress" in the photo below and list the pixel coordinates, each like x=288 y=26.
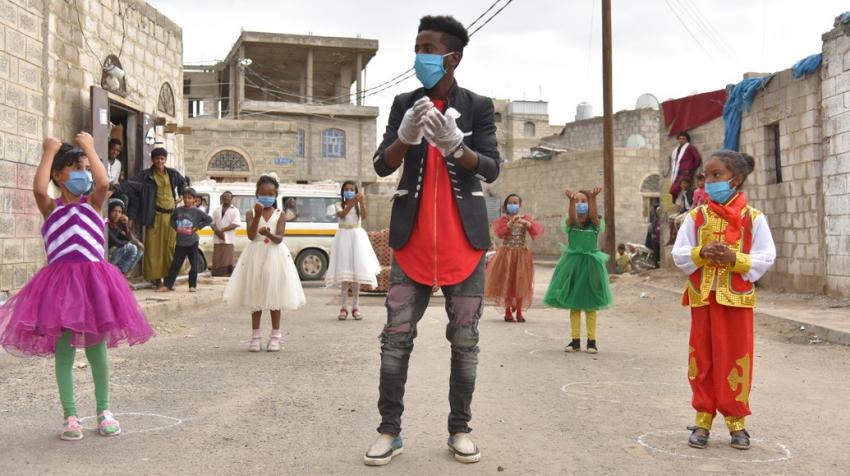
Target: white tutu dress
x=265 y=277
x=352 y=257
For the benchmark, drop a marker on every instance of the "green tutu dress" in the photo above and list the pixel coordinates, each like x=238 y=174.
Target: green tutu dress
x=580 y=280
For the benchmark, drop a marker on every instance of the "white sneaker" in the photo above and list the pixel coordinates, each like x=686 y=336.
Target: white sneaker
x=464 y=450
x=383 y=449
x=256 y=342
x=274 y=343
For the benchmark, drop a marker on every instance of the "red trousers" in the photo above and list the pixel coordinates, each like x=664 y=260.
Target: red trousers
x=720 y=363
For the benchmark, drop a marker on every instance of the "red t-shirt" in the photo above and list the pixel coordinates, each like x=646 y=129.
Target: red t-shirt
x=438 y=251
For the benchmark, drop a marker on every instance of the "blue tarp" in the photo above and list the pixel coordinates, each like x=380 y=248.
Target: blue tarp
x=739 y=100
x=807 y=65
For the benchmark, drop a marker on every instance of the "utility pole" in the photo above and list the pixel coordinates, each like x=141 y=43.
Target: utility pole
x=608 y=133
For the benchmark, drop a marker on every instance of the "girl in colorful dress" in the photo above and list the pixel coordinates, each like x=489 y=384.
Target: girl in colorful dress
x=265 y=278
x=79 y=300
x=724 y=247
x=353 y=261
x=580 y=280
x=509 y=281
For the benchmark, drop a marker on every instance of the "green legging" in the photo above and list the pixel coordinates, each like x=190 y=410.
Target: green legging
x=96 y=355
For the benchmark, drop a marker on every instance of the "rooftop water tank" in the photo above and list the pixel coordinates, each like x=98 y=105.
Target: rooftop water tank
x=584 y=111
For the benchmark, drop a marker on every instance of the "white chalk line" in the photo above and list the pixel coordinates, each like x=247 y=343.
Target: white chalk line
x=174 y=422
x=579 y=395
x=783 y=449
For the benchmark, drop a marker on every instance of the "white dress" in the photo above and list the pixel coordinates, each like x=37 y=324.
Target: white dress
x=265 y=277
x=352 y=257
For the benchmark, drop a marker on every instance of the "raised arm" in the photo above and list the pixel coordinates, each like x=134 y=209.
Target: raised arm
x=571 y=212
x=41 y=180
x=253 y=220
x=593 y=214
x=100 y=177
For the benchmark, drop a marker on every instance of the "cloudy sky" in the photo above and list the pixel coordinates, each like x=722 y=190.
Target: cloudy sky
x=542 y=49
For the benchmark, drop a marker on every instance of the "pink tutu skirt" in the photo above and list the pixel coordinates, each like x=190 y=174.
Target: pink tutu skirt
x=92 y=300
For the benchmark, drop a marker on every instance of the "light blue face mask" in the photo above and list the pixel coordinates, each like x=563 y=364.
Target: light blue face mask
x=719 y=192
x=582 y=208
x=79 y=182
x=267 y=201
x=348 y=195
x=429 y=68
x=512 y=208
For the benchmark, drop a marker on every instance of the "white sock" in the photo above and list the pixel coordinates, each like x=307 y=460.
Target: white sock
x=343 y=293
x=355 y=294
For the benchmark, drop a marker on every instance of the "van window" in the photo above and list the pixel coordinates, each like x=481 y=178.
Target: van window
x=244 y=203
x=310 y=209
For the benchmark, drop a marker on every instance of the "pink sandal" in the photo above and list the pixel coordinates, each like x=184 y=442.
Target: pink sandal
x=343 y=314
x=107 y=424
x=72 y=430
x=355 y=313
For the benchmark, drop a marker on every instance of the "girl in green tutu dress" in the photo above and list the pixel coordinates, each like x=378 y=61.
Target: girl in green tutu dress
x=580 y=281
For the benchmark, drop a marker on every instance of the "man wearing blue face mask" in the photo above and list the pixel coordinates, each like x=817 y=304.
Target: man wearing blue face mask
x=444 y=138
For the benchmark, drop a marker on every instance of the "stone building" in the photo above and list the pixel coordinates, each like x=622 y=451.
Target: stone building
x=282 y=103
x=57 y=58
x=520 y=125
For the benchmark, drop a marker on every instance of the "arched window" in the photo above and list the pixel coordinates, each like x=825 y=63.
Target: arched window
x=497 y=117
x=228 y=161
x=299 y=142
x=651 y=185
x=333 y=143
x=529 y=129
x=166 y=100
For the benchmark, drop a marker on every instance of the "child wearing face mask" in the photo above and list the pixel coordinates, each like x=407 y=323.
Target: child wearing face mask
x=724 y=247
x=580 y=280
x=265 y=277
x=509 y=280
x=79 y=300
x=352 y=262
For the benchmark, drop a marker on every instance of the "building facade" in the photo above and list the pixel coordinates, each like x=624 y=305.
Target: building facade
x=521 y=125
x=111 y=67
x=282 y=103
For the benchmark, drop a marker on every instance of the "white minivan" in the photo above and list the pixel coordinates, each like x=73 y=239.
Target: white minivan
x=310 y=227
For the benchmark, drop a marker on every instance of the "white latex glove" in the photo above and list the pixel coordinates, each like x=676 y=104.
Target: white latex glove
x=441 y=130
x=410 y=131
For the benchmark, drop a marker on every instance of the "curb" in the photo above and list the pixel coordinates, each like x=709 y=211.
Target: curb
x=827 y=334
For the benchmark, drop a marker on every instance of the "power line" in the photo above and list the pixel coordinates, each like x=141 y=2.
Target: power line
x=707 y=30
x=490 y=19
x=685 y=26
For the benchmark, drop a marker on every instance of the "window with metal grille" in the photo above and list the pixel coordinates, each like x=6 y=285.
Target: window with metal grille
x=333 y=143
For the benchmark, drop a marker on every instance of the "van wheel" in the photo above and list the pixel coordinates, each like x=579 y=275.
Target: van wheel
x=312 y=265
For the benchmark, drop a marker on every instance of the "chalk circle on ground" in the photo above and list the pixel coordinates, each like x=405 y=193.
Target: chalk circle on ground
x=674 y=443
x=587 y=390
x=136 y=422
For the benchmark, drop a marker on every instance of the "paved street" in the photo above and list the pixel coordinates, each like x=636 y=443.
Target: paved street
x=194 y=401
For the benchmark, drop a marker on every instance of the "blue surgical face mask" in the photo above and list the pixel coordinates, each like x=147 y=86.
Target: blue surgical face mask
x=348 y=195
x=512 y=208
x=429 y=68
x=719 y=192
x=582 y=208
x=79 y=182
x=267 y=201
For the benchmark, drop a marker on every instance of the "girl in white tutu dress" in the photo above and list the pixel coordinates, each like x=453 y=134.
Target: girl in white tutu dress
x=353 y=261
x=265 y=278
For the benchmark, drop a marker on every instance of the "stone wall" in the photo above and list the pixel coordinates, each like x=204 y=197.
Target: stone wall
x=267 y=136
x=587 y=134
x=793 y=207
x=835 y=97
x=46 y=69
x=22 y=114
x=542 y=185
x=259 y=142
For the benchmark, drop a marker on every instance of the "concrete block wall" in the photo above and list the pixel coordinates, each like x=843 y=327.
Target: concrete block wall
x=792 y=207
x=542 y=185
x=22 y=118
x=587 y=134
x=835 y=101
x=260 y=142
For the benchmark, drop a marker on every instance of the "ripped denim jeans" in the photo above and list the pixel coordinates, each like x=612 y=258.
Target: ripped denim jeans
x=406 y=304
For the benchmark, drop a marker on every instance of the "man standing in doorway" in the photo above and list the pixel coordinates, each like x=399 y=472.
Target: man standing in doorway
x=113 y=166
x=444 y=136
x=226 y=220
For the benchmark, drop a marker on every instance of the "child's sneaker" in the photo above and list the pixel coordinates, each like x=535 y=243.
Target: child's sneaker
x=274 y=342
x=355 y=313
x=107 y=425
x=573 y=346
x=591 y=347
x=256 y=342
x=343 y=314
x=72 y=430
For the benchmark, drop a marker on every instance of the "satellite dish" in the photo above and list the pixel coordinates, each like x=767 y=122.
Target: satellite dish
x=647 y=101
x=635 y=141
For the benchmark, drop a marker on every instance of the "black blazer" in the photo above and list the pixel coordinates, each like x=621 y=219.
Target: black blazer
x=479 y=128
x=141 y=191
